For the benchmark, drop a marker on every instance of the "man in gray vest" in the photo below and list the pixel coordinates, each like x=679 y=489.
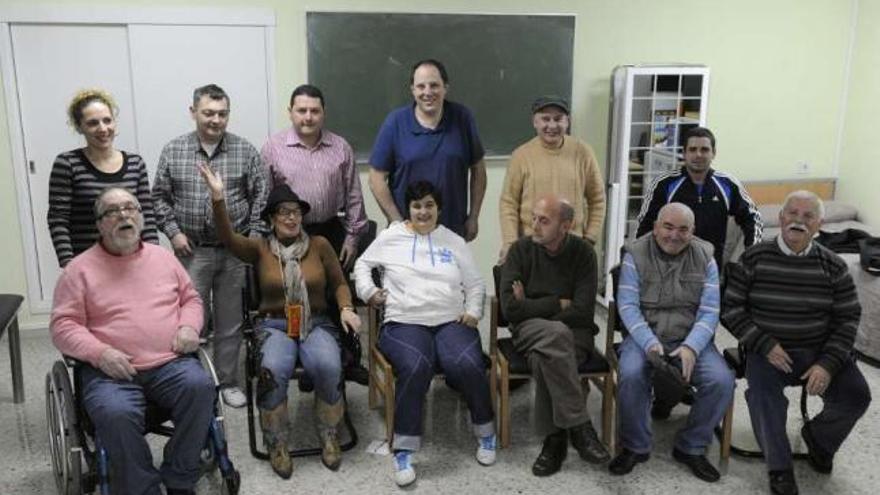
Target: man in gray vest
x=668 y=300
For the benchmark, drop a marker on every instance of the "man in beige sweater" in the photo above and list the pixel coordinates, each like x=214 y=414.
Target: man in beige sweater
x=552 y=162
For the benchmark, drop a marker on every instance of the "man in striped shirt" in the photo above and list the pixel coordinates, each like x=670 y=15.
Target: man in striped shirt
x=320 y=167
x=792 y=303
x=184 y=213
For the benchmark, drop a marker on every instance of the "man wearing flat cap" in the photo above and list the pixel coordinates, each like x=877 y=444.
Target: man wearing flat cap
x=553 y=162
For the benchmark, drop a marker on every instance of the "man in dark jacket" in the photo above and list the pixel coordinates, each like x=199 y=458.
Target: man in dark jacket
x=548 y=292
x=711 y=195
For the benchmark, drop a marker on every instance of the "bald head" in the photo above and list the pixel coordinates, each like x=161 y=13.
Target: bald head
x=555 y=205
x=674 y=228
x=552 y=217
x=678 y=212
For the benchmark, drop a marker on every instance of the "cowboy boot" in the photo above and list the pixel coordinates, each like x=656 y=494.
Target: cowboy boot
x=328 y=417
x=274 y=423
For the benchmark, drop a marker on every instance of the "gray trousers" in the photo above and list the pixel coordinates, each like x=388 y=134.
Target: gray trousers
x=553 y=354
x=219 y=277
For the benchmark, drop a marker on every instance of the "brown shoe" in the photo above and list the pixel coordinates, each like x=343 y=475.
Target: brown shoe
x=275 y=427
x=328 y=417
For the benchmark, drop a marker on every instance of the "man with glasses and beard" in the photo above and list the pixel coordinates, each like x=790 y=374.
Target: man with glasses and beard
x=129 y=311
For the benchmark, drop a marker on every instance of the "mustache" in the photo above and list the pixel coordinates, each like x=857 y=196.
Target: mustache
x=797 y=226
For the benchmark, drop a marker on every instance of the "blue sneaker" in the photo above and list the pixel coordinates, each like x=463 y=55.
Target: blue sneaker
x=486 y=450
x=404 y=474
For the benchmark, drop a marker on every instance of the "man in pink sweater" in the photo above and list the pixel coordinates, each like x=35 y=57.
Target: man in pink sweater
x=129 y=312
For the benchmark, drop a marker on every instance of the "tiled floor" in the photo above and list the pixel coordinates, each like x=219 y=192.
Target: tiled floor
x=446 y=464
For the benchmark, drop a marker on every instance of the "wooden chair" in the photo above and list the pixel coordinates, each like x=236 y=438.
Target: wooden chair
x=508 y=363
x=381 y=373
x=381 y=382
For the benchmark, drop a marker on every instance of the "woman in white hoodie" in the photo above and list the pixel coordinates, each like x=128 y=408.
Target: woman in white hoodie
x=433 y=297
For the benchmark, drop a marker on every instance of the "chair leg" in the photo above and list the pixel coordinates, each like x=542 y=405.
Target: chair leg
x=607 y=411
x=504 y=417
x=373 y=386
x=493 y=388
x=727 y=432
x=389 y=406
x=15 y=361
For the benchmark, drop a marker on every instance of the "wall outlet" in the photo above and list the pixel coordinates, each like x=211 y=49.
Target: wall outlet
x=802 y=167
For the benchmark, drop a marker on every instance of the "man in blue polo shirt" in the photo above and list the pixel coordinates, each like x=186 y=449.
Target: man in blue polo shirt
x=434 y=140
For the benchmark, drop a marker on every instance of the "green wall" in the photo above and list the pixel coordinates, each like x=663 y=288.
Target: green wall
x=777 y=83
x=860 y=154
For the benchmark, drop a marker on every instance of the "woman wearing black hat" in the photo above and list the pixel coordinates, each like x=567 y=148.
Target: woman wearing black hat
x=294 y=272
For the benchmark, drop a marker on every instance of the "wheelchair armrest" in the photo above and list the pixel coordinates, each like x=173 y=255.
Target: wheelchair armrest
x=202 y=354
x=71 y=362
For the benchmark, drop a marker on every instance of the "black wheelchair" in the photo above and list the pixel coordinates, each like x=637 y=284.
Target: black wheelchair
x=80 y=463
x=352 y=371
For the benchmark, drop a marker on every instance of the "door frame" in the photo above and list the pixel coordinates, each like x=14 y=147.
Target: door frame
x=98 y=15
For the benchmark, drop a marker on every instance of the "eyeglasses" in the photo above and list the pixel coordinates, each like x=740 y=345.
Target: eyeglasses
x=117 y=212
x=288 y=212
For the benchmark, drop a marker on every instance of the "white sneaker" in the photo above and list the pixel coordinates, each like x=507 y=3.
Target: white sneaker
x=404 y=474
x=486 y=451
x=233 y=397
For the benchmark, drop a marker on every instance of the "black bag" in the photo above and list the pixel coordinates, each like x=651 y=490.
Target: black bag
x=668 y=380
x=869 y=254
x=352 y=352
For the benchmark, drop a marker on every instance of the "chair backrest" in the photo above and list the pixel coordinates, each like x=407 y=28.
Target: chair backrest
x=367 y=237
x=496 y=277
x=250 y=293
x=616 y=323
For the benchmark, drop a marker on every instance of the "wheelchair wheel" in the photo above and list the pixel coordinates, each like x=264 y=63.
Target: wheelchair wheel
x=64 y=443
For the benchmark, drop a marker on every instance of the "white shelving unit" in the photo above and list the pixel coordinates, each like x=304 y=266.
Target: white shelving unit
x=652 y=107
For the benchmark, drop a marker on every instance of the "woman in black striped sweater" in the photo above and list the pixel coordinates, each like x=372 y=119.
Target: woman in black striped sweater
x=79 y=175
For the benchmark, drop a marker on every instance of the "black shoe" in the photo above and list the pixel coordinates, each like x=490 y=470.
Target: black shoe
x=783 y=483
x=699 y=465
x=626 y=461
x=553 y=453
x=819 y=460
x=586 y=442
x=179 y=491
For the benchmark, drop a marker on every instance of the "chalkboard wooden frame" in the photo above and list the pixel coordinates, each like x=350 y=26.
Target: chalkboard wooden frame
x=497 y=64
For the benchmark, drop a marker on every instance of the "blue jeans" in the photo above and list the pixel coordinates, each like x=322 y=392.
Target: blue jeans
x=319 y=353
x=712 y=378
x=845 y=400
x=416 y=352
x=117 y=409
x=218 y=276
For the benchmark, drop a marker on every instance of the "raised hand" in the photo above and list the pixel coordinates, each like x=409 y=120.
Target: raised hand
x=215 y=184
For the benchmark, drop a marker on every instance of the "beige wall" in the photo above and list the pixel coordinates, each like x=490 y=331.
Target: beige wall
x=778 y=80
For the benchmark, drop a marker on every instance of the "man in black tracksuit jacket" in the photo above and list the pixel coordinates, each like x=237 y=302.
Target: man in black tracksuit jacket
x=712 y=195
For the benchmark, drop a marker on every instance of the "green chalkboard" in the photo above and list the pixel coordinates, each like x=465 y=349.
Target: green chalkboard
x=497 y=65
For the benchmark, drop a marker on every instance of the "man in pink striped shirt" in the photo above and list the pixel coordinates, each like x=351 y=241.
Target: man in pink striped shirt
x=320 y=168
x=128 y=310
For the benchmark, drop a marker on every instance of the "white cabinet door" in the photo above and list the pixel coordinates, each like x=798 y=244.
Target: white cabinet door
x=52 y=62
x=169 y=62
